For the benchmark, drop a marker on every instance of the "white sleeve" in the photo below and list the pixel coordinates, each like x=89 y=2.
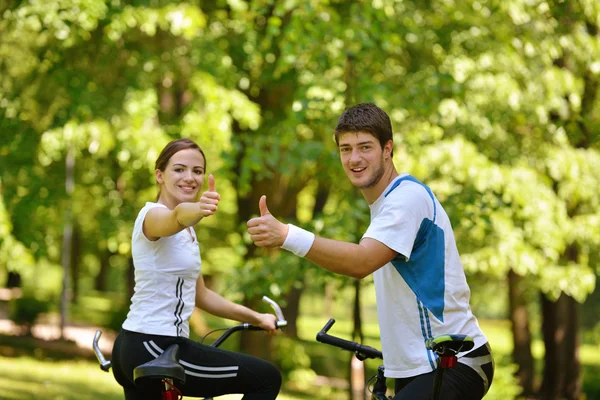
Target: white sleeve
x=139 y=221
x=398 y=222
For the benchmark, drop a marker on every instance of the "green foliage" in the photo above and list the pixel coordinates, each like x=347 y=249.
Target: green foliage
x=116 y=318
x=505 y=385
x=590 y=382
x=25 y=310
x=294 y=362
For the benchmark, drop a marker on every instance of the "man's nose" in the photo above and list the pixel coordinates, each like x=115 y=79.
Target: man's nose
x=354 y=155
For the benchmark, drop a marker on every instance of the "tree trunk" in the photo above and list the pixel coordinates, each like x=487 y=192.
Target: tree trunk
x=357 y=368
x=257 y=343
x=67 y=242
x=573 y=380
x=292 y=310
x=100 y=280
x=561 y=362
x=519 y=317
x=13 y=280
x=75 y=262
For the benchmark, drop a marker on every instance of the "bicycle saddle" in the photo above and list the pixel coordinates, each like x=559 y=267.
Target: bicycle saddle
x=450 y=345
x=165 y=366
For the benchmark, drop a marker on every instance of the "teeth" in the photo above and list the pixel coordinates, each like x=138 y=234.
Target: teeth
x=358 y=169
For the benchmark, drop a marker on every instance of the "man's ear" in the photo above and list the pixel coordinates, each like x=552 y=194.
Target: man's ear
x=387 y=149
x=159 y=176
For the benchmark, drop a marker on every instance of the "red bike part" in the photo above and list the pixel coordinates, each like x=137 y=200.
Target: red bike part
x=170 y=395
x=170 y=392
x=448 y=361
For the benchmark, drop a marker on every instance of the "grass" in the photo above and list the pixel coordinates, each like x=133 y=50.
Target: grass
x=25 y=378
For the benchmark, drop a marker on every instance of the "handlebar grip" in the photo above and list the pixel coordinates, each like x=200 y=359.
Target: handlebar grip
x=338 y=342
x=344 y=344
x=280 y=324
x=253 y=328
x=328 y=325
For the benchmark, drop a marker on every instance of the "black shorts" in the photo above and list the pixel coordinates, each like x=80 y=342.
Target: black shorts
x=470 y=379
x=209 y=371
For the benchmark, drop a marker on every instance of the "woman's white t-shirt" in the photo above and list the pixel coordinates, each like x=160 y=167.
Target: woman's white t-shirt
x=423 y=292
x=166 y=271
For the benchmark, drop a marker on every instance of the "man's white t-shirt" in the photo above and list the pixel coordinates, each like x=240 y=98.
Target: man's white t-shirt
x=166 y=271
x=423 y=292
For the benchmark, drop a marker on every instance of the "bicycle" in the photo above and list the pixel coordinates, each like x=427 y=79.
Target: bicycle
x=166 y=367
x=445 y=346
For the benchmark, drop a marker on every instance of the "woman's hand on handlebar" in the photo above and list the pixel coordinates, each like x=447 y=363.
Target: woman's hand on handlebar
x=267 y=322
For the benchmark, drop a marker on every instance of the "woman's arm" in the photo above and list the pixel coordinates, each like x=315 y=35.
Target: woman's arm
x=161 y=221
x=216 y=304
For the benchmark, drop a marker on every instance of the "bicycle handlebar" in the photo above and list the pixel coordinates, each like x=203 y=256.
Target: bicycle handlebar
x=362 y=352
x=279 y=324
x=104 y=364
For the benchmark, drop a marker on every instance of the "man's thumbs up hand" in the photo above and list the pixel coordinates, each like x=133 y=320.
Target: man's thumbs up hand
x=262 y=206
x=266 y=230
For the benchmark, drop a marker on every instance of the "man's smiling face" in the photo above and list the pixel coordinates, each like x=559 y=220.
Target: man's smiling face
x=362 y=158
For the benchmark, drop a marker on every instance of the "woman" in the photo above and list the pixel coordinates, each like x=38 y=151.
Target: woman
x=168 y=284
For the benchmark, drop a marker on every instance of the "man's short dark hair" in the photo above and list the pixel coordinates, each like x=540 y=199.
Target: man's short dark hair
x=365 y=117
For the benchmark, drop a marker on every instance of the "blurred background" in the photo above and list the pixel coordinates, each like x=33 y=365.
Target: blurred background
x=495 y=105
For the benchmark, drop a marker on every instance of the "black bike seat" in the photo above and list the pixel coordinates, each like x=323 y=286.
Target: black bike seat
x=450 y=345
x=165 y=366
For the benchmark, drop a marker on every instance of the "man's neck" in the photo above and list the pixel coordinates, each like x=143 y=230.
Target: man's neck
x=372 y=193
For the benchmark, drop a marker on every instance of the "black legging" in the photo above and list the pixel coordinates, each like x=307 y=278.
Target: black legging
x=209 y=371
x=459 y=383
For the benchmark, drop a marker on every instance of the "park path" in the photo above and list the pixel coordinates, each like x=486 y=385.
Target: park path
x=82 y=336
x=49 y=329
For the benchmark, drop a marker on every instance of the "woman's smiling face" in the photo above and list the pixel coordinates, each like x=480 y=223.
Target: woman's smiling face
x=182 y=179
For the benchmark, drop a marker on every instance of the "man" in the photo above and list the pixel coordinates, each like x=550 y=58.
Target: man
x=409 y=246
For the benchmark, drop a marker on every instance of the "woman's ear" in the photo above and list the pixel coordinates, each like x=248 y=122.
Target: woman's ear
x=159 y=176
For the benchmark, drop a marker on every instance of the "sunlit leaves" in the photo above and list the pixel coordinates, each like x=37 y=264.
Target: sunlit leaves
x=576 y=280
x=488 y=100
x=64 y=20
x=183 y=19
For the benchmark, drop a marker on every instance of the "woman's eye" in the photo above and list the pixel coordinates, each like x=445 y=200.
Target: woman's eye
x=199 y=172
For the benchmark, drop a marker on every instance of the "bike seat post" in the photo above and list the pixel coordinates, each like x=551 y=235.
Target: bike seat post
x=447 y=347
x=448 y=361
x=168 y=391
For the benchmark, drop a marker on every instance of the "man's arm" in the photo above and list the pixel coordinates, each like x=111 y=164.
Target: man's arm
x=355 y=260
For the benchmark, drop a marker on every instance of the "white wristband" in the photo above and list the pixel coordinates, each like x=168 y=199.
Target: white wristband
x=298 y=240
